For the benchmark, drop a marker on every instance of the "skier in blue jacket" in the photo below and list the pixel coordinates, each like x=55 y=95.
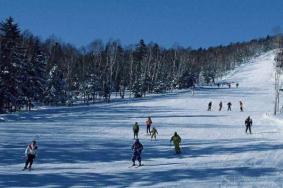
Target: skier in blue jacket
x=137 y=148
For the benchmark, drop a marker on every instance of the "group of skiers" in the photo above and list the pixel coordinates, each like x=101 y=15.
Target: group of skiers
x=228 y=84
x=137 y=147
x=229 y=106
x=248 y=121
x=153 y=132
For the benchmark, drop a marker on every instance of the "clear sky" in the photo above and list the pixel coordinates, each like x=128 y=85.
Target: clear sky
x=190 y=23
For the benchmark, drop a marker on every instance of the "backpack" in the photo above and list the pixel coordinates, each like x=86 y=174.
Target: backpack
x=136 y=128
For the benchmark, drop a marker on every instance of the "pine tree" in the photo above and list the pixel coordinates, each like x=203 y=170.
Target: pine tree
x=94 y=86
x=37 y=72
x=139 y=86
x=12 y=66
x=56 y=88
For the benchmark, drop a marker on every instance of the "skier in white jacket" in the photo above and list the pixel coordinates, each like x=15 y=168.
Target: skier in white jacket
x=30 y=154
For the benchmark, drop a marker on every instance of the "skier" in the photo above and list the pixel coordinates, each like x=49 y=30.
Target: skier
x=148 y=125
x=137 y=148
x=241 y=106
x=30 y=154
x=176 y=141
x=136 y=129
x=229 y=85
x=237 y=85
x=248 y=123
x=220 y=106
x=153 y=133
x=209 y=106
x=229 y=104
x=218 y=85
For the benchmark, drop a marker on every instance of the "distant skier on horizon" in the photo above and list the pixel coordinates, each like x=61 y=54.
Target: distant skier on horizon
x=209 y=106
x=249 y=123
x=229 y=104
x=137 y=148
x=136 y=129
x=30 y=153
x=220 y=106
x=176 y=141
x=237 y=85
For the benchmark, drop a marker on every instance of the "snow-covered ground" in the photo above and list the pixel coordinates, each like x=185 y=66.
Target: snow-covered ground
x=90 y=146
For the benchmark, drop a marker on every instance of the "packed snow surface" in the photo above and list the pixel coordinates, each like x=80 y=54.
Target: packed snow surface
x=90 y=146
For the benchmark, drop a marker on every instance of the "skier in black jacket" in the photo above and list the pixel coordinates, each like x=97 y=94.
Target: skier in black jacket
x=249 y=123
x=209 y=106
x=229 y=104
x=137 y=148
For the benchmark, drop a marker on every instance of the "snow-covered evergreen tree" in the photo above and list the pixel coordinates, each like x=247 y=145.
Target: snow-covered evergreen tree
x=94 y=86
x=12 y=65
x=56 y=92
x=137 y=88
x=159 y=87
x=37 y=73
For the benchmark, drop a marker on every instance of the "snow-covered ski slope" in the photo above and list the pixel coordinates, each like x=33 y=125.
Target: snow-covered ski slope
x=90 y=146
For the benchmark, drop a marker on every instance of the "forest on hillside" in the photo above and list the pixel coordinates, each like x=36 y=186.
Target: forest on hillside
x=52 y=72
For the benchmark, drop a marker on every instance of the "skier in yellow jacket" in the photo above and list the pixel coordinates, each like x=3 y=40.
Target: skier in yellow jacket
x=176 y=141
x=153 y=133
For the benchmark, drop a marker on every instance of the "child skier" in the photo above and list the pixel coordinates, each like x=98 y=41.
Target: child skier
x=153 y=133
x=136 y=129
x=248 y=123
x=30 y=154
x=176 y=141
x=137 y=148
x=148 y=125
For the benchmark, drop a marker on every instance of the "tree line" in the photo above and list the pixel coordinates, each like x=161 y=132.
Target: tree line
x=52 y=72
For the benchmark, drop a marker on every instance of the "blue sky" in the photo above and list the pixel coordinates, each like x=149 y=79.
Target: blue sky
x=190 y=23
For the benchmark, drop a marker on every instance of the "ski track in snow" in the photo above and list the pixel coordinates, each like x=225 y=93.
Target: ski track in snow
x=89 y=146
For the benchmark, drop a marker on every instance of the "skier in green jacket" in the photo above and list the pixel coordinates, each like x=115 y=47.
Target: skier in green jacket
x=176 y=141
x=153 y=133
x=136 y=129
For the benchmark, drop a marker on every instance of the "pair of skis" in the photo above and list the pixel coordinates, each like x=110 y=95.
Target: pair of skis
x=29 y=169
x=136 y=166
